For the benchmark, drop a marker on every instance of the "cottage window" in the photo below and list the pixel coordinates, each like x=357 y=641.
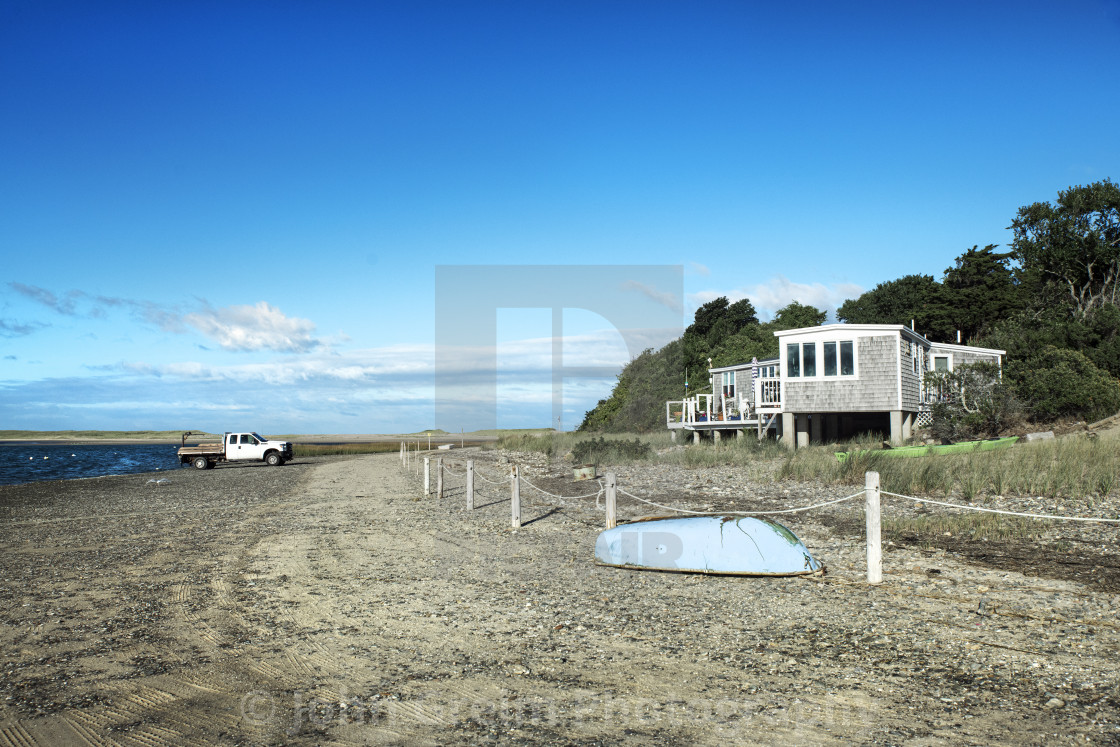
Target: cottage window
x=793 y=360
x=830 y=359
x=847 y=359
x=941 y=363
x=809 y=358
x=728 y=383
x=843 y=364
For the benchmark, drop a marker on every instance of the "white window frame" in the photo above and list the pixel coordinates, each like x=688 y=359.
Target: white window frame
x=933 y=356
x=819 y=344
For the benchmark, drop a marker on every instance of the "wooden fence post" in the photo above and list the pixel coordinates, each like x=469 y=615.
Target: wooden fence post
x=874 y=528
x=402 y=452
x=439 y=478
x=612 y=516
x=515 y=498
x=427 y=477
x=470 y=485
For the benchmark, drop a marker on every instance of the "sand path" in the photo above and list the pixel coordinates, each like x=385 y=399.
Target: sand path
x=348 y=609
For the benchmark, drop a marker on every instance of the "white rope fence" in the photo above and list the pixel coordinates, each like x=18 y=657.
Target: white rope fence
x=563 y=497
x=742 y=513
x=871 y=492
x=981 y=509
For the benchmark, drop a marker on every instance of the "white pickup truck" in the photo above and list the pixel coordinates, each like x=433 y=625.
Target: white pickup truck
x=236 y=447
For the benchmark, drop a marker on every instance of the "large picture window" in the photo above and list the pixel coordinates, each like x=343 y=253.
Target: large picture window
x=835 y=358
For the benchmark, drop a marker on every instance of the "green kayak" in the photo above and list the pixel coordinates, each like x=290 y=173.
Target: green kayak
x=919 y=451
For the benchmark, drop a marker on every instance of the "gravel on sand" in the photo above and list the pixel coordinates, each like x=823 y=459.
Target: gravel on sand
x=329 y=601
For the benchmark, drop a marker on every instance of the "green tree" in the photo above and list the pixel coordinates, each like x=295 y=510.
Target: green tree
x=917 y=298
x=796 y=315
x=981 y=289
x=1073 y=244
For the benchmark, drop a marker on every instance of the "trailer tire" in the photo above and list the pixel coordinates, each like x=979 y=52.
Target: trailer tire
x=274 y=459
x=201 y=463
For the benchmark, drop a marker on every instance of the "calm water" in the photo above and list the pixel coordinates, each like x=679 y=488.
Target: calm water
x=29 y=462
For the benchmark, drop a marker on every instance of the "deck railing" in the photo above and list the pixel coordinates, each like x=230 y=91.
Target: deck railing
x=696 y=409
x=768 y=394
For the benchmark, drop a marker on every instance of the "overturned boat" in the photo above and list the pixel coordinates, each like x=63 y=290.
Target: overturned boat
x=731 y=545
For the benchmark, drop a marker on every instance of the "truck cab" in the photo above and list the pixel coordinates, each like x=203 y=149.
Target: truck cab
x=245 y=447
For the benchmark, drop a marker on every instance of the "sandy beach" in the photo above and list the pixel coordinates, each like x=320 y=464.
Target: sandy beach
x=329 y=602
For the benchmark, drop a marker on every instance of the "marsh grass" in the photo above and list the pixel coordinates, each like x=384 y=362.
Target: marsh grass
x=376 y=447
x=560 y=445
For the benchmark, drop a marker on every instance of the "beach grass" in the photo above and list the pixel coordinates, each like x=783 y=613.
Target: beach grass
x=1070 y=467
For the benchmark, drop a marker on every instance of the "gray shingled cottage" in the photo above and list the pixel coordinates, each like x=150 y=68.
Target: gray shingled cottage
x=828 y=383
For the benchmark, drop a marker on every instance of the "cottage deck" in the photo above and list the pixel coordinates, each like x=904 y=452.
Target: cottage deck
x=702 y=411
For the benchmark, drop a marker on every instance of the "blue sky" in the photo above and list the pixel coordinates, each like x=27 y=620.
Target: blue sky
x=229 y=214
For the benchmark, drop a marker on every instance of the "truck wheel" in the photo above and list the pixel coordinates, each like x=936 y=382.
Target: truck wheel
x=274 y=459
x=201 y=463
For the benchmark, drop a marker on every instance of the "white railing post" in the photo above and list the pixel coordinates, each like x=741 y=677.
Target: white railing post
x=439 y=478
x=612 y=498
x=470 y=485
x=427 y=477
x=515 y=498
x=874 y=528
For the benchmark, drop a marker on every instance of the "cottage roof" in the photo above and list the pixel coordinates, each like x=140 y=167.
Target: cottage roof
x=883 y=328
x=741 y=366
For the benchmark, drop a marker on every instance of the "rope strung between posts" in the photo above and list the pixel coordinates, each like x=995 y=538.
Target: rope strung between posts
x=743 y=513
x=482 y=477
x=554 y=495
x=1000 y=511
x=452 y=472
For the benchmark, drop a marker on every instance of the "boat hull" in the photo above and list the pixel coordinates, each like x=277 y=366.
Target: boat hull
x=722 y=545
x=937 y=449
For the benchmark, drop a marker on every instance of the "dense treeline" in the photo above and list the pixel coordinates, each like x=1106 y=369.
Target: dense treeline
x=1052 y=302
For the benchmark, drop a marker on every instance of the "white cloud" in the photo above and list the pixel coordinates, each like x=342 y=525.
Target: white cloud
x=261 y=326
x=669 y=300
x=780 y=291
x=359 y=367
x=699 y=269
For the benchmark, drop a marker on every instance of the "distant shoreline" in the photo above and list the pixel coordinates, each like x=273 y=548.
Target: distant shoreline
x=46 y=439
